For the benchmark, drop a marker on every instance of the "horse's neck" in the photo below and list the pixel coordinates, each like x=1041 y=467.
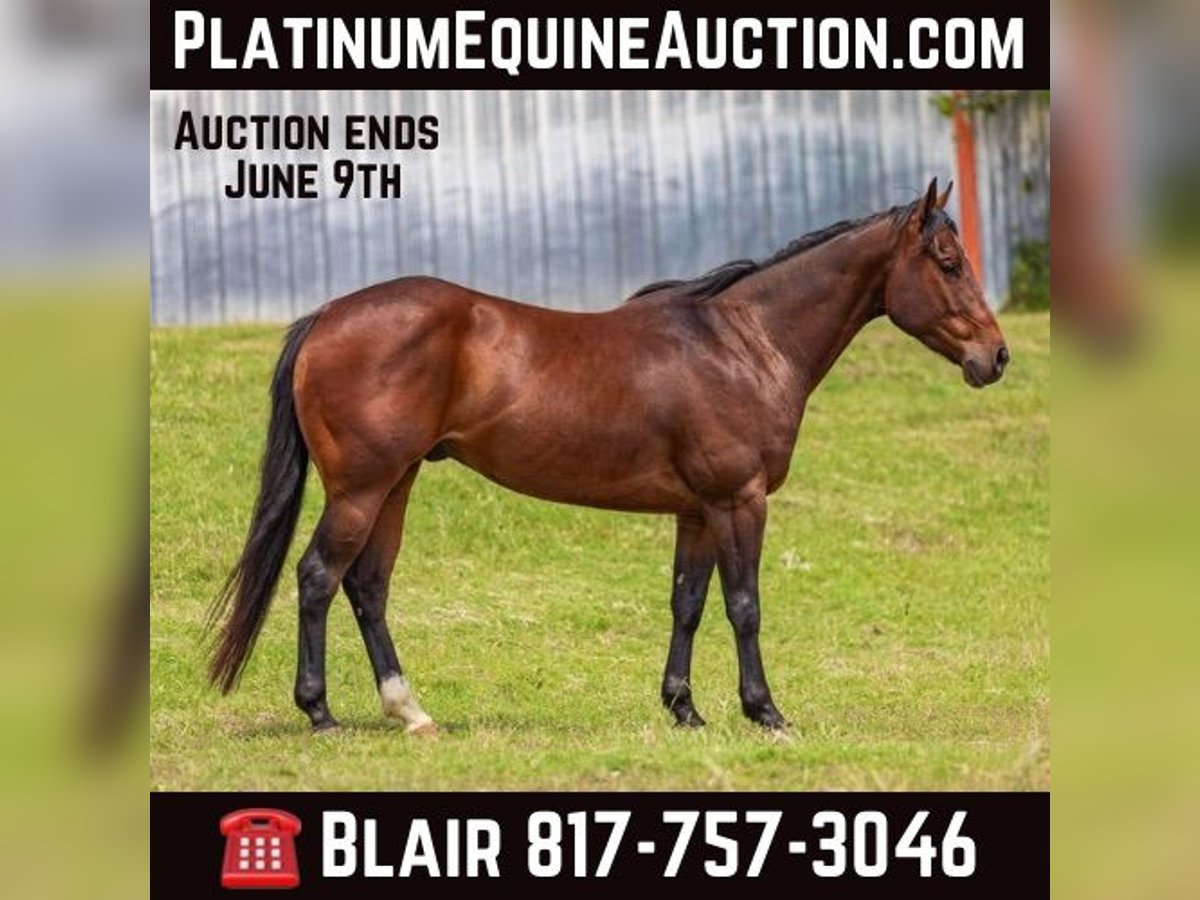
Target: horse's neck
x=811 y=306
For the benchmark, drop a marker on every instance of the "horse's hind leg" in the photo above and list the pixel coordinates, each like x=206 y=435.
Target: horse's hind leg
x=344 y=528
x=366 y=585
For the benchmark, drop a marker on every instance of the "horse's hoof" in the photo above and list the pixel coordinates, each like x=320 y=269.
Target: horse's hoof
x=690 y=719
x=326 y=725
x=783 y=735
x=771 y=720
x=428 y=728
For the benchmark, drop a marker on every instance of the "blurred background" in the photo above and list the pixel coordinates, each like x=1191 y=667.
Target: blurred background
x=1126 y=801
x=74 y=298
x=574 y=199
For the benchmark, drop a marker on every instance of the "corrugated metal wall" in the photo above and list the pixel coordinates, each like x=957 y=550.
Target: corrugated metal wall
x=566 y=199
x=1013 y=160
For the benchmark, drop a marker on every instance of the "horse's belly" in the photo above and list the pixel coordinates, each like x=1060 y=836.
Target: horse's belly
x=586 y=467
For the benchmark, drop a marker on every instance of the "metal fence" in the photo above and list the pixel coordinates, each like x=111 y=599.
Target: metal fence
x=567 y=199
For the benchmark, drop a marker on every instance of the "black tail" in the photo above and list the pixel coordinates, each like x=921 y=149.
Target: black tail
x=252 y=581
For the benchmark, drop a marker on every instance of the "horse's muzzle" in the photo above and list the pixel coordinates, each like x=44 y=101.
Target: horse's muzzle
x=980 y=372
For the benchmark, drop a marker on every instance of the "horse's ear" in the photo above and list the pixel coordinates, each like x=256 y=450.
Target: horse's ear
x=945 y=197
x=927 y=205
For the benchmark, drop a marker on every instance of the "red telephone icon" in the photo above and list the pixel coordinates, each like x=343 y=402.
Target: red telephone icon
x=260 y=850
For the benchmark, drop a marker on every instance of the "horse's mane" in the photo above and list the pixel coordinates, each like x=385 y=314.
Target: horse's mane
x=723 y=276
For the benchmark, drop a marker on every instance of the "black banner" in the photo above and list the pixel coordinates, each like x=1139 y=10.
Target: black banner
x=378 y=844
x=363 y=44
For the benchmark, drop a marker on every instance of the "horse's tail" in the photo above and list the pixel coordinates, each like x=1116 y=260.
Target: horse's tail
x=252 y=580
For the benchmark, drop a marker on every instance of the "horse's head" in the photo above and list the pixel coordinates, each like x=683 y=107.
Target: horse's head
x=932 y=293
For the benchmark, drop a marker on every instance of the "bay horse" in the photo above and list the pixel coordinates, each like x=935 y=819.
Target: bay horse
x=685 y=400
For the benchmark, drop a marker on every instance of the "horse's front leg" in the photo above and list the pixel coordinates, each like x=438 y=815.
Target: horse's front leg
x=694 y=560
x=737 y=527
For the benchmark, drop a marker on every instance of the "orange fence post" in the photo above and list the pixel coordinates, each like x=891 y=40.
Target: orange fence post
x=968 y=194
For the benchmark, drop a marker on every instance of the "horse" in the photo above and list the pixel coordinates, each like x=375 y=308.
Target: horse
x=684 y=400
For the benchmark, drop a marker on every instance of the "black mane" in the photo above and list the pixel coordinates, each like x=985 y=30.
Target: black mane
x=724 y=276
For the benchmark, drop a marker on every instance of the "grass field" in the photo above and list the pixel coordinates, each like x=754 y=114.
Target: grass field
x=906 y=603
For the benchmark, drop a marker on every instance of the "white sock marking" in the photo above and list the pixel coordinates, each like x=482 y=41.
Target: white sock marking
x=399 y=703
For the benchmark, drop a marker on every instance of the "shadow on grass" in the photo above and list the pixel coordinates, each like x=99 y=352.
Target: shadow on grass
x=285 y=728
x=488 y=724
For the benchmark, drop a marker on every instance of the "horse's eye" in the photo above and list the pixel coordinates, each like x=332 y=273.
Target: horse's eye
x=949 y=266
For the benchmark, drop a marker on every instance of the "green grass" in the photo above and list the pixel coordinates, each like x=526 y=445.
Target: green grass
x=905 y=603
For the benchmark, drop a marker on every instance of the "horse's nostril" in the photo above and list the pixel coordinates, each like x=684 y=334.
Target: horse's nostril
x=1002 y=357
